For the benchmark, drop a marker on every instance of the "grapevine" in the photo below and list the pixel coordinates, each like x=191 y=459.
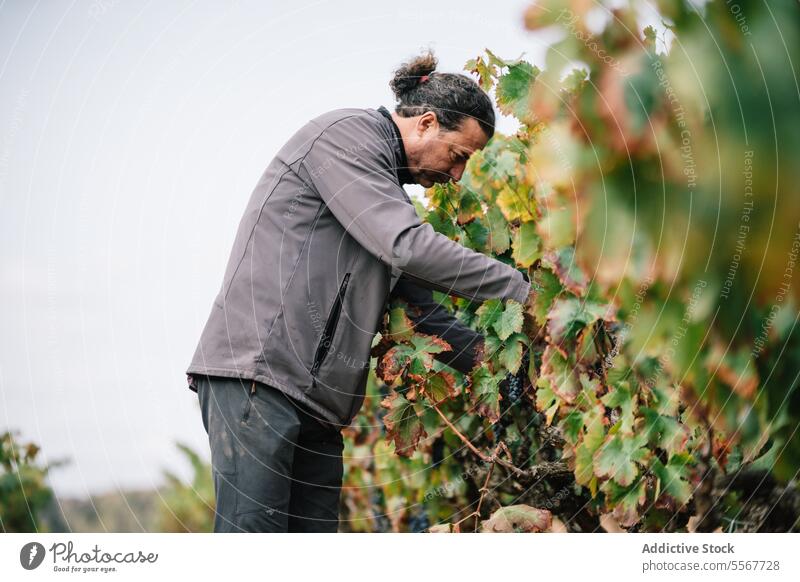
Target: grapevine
x=623 y=406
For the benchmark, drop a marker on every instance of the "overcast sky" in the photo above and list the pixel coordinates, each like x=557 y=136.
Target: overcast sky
x=132 y=136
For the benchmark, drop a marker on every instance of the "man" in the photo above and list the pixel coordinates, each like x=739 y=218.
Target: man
x=328 y=236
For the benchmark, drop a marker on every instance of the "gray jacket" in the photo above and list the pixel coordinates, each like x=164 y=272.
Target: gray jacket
x=328 y=235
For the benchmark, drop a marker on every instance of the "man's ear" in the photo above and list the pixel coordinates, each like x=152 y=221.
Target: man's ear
x=427 y=122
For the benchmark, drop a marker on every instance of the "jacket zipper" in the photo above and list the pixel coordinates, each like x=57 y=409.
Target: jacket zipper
x=330 y=327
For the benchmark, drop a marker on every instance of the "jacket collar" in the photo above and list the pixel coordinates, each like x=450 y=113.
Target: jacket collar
x=403 y=175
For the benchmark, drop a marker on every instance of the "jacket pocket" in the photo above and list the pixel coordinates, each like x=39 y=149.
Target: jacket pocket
x=330 y=326
x=248 y=405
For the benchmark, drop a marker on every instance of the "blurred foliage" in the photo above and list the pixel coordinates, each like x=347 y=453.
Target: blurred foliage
x=24 y=493
x=188 y=507
x=27 y=503
x=651 y=196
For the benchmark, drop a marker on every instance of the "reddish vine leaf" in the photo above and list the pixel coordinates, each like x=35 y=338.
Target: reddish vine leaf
x=403 y=426
x=400 y=325
x=422 y=352
x=626 y=501
x=393 y=363
x=518 y=518
x=440 y=386
x=563 y=264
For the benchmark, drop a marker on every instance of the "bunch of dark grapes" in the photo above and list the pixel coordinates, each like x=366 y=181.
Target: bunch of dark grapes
x=513 y=385
x=382 y=523
x=419 y=522
x=514 y=389
x=498 y=429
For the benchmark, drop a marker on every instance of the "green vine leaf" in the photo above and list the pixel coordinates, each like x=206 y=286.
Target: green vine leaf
x=485 y=390
x=527 y=245
x=673 y=477
x=509 y=321
x=619 y=456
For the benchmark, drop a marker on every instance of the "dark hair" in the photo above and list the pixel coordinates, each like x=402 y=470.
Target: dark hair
x=452 y=97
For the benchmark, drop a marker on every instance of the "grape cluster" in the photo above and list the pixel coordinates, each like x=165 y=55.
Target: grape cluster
x=382 y=523
x=498 y=429
x=419 y=522
x=514 y=389
x=513 y=385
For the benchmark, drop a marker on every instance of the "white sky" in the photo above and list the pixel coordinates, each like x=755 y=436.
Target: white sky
x=131 y=136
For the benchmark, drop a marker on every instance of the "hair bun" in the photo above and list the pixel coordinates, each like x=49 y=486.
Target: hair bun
x=408 y=76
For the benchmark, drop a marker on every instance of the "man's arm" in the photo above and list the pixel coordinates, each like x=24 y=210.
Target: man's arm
x=433 y=319
x=351 y=166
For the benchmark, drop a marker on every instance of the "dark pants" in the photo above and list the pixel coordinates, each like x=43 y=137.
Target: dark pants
x=276 y=467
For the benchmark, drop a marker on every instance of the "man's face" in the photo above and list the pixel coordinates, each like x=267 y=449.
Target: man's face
x=436 y=155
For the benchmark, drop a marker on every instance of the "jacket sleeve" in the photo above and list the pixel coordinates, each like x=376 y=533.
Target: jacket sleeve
x=351 y=165
x=436 y=320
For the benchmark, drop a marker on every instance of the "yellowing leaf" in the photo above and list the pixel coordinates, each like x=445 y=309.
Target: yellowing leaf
x=400 y=325
x=557 y=228
x=440 y=386
x=560 y=373
x=499 y=237
x=527 y=245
